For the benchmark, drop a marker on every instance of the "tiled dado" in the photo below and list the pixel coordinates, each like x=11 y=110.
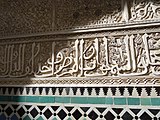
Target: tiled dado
x=80 y=103
x=83 y=100
x=76 y=112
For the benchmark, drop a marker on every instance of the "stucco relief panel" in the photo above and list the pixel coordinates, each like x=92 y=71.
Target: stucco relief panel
x=25 y=16
x=80 y=13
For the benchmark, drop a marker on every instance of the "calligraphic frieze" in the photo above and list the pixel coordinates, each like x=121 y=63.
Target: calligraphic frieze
x=119 y=55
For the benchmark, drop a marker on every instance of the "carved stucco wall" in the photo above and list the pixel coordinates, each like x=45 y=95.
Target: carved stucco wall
x=23 y=17
x=79 y=59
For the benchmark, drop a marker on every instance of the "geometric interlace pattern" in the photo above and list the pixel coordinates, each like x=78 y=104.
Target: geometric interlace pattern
x=76 y=112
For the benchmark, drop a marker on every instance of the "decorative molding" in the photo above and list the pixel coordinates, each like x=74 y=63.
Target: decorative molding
x=96 y=81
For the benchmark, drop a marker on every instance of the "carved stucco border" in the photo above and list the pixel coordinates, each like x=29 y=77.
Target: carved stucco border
x=103 y=81
x=131 y=25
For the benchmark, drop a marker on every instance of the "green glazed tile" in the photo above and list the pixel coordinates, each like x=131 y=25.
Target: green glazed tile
x=34 y=99
x=155 y=101
x=18 y=99
x=62 y=100
x=5 y=98
x=80 y=100
x=120 y=101
x=96 y=100
x=46 y=99
x=145 y=101
x=109 y=100
x=27 y=118
x=40 y=118
x=133 y=101
x=84 y=118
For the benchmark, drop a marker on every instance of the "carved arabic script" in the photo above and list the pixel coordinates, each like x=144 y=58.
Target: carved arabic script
x=129 y=55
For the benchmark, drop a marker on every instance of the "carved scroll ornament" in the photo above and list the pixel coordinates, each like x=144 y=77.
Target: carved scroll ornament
x=145 y=10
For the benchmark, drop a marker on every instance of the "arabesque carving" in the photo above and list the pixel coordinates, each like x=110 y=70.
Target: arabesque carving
x=145 y=10
x=21 y=18
x=87 y=13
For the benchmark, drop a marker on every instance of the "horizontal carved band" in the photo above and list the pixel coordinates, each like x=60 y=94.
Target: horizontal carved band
x=152 y=81
x=119 y=55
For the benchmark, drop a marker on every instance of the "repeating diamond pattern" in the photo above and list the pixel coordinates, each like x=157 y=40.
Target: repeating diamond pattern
x=62 y=112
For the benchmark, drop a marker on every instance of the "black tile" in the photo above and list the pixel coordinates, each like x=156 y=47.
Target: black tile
x=113 y=89
x=3 y=90
x=21 y=89
x=28 y=107
x=41 y=107
x=130 y=90
x=92 y=115
x=27 y=90
x=105 y=89
x=53 y=90
x=9 y=111
x=89 y=90
x=67 y=89
x=154 y=112
x=139 y=90
x=62 y=114
x=47 y=113
x=135 y=111
x=74 y=90
x=145 y=116
x=127 y=116
x=9 y=90
x=121 y=89
x=117 y=110
x=155 y=118
x=158 y=90
x=21 y=112
x=82 y=90
x=3 y=105
x=69 y=108
x=15 y=106
x=47 y=90
x=15 y=90
x=97 y=89
x=109 y=116
x=85 y=109
x=34 y=90
x=76 y=114
x=40 y=90
x=101 y=110
x=60 y=90
x=34 y=112
x=55 y=107
x=148 y=90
